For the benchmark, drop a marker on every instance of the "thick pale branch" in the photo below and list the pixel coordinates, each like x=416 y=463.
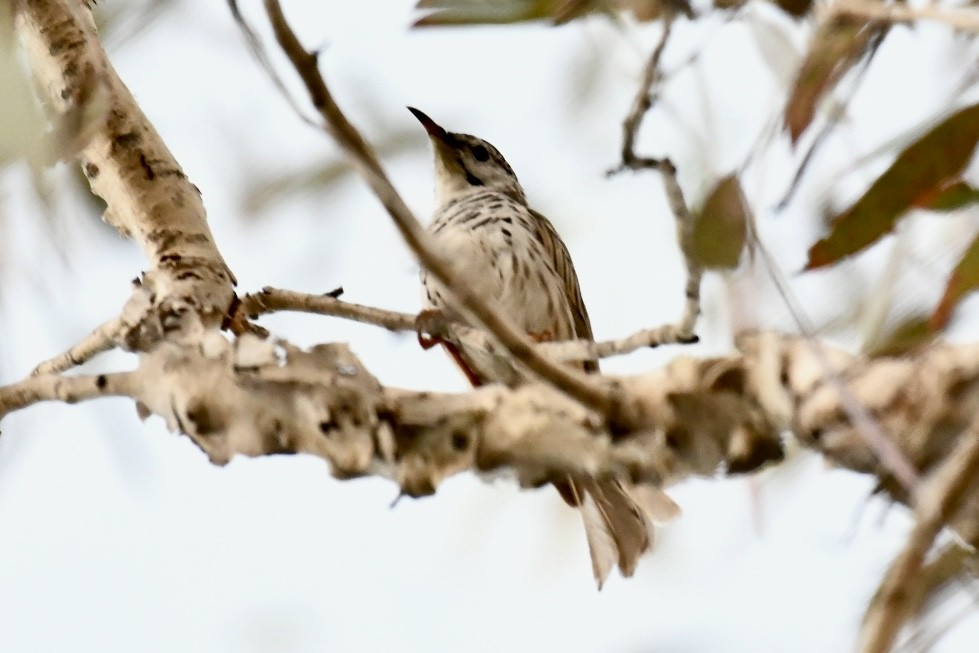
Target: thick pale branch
x=148 y=196
x=257 y=397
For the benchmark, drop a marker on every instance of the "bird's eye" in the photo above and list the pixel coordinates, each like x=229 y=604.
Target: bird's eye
x=481 y=153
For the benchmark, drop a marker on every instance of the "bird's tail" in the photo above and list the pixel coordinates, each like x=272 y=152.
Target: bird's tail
x=619 y=522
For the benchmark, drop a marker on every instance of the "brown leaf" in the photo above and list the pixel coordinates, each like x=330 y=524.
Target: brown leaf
x=719 y=229
x=796 y=8
x=917 y=178
x=836 y=47
x=648 y=10
x=963 y=280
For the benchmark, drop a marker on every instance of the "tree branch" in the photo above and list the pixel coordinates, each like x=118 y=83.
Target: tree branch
x=258 y=397
x=149 y=197
x=936 y=504
x=270 y=300
x=961 y=19
x=644 y=100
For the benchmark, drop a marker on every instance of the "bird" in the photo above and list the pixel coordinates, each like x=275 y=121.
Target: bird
x=508 y=251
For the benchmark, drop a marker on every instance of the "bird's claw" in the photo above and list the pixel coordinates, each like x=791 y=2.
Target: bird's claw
x=429 y=325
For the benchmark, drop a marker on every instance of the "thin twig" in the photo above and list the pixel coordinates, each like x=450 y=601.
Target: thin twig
x=255 y=45
x=961 y=19
x=103 y=338
x=644 y=100
x=576 y=384
x=684 y=227
x=935 y=504
x=271 y=300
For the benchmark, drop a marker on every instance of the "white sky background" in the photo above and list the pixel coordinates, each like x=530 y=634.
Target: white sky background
x=117 y=536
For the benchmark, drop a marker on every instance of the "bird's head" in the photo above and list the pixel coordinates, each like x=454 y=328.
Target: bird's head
x=466 y=164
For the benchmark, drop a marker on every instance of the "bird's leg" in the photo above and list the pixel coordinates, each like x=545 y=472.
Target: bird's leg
x=430 y=325
x=471 y=376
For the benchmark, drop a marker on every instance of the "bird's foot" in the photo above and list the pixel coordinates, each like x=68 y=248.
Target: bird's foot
x=429 y=325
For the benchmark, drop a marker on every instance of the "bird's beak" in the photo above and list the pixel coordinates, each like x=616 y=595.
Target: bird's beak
x=433 y=128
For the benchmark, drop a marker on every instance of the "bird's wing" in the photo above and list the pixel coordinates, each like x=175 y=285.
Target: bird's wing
x=561 y=259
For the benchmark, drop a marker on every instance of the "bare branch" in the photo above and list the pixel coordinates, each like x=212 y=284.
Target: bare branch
x=961 y=19
x=258 y=397
x=149 y=197
x=270 y=300
x=936 y=504
x=102 y=339
x=582 y=350
x=695 y=272
x=644 y=100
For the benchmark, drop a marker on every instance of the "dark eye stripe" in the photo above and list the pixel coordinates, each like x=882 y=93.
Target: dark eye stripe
x=470 y=177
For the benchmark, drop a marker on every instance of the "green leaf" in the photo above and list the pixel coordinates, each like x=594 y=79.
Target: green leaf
x=963 y=280
x=481 y=12
x=720 y=228
x=953 y=197
x=501 y=12
x=910 y=334
x=918 y=176
x=836 y=47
